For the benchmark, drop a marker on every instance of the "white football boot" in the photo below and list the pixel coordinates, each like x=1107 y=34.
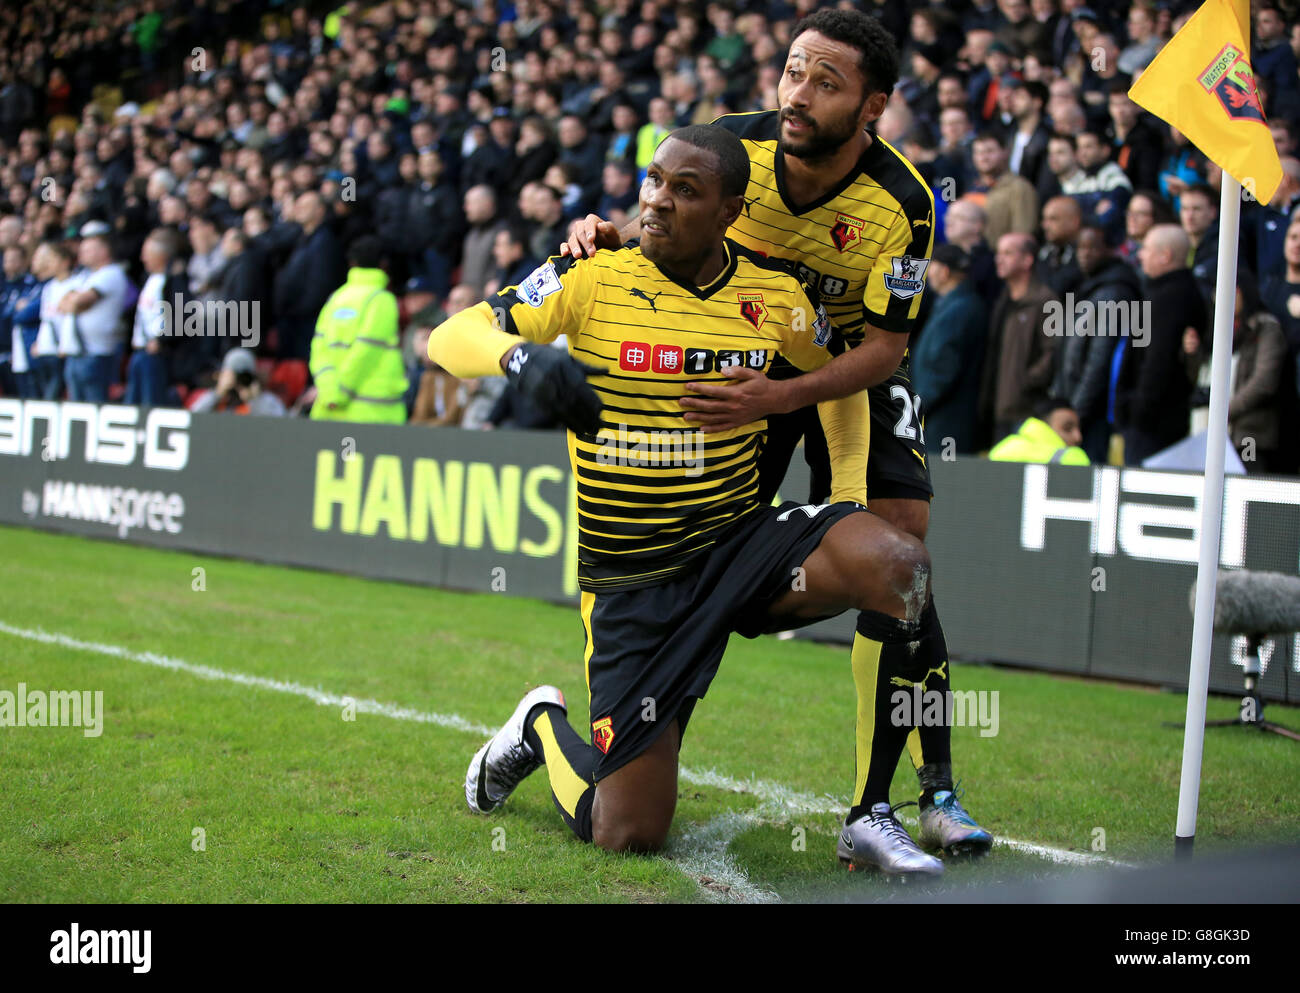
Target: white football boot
x=505 y=760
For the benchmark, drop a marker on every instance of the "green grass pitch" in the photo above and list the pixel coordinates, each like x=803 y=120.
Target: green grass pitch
x=291 y=802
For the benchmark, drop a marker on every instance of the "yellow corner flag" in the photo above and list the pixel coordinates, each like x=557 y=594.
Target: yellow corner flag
x=1202 y=84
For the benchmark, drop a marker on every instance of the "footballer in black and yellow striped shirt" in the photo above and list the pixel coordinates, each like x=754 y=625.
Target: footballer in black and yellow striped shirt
x=676 y=549
x=652 y=492
x=857 y=222
x=864 y=246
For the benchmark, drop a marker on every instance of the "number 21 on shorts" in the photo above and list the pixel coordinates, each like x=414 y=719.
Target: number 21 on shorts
x=909 y=424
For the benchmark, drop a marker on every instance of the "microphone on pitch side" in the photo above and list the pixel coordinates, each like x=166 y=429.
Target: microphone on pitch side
x=1256 y=605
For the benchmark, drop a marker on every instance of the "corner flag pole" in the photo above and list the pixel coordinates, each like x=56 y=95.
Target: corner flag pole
x=1207 y=567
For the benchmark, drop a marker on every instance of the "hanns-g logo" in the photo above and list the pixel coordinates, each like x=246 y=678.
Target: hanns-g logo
x=1118 y=520
x=113 y=435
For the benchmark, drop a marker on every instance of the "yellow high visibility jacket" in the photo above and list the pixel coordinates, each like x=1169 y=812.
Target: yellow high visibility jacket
x=356 y=357
x=334 y=21
x=648 y=138
x=1037 y=442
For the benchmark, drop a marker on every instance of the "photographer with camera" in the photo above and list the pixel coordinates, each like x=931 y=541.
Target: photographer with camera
x=239 y=389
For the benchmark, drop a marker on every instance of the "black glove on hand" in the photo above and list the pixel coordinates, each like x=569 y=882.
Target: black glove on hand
x=557 y=383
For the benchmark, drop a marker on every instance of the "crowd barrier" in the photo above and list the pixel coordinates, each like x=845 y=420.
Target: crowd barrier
x=1075 y=570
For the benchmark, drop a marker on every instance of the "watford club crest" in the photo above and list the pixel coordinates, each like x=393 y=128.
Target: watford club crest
x=602 y=733
x=752 y=308
x=1231 y=79
x=847 y=231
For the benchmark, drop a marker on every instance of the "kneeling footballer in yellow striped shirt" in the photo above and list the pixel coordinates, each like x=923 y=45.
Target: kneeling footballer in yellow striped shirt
x=676 y=550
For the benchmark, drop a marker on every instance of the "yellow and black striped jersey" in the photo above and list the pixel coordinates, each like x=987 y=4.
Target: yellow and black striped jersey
x=652 y=493
x=864 y=246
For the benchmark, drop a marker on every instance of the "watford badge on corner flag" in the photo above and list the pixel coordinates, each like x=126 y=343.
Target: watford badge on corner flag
x=1202 y=84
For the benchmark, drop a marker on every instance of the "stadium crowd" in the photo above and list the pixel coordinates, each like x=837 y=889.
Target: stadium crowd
x=220 y=160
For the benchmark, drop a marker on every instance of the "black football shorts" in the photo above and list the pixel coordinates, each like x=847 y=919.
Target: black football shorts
x=897 y=464
x=652 y=652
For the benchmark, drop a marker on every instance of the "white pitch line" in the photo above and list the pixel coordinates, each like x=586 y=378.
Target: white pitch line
x=317 y=696
x=790 y=800
x=794 y=801
x=702 y=858
x=1060 y=856
x=706 y=857
x=798 y=802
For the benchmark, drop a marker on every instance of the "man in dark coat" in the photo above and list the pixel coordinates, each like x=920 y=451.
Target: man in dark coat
x=245 y=278
x=312 y=272
x=585 y=152
x=1138 y=144
x=493 y=161
x=1272 y=58
x=1111 y=292
x=1264 y=225
x=1057 y=265
x=1153 y=389
x=948 y=354
x=1020 y=360
x=1198 y=210
x=420 y=224
x=1031 y=134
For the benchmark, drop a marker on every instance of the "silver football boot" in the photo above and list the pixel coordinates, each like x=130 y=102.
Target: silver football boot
x=946 y=825
x=506 y=760
x=876 y=840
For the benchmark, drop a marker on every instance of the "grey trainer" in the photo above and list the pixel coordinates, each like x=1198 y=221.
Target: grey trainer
x=877 y=840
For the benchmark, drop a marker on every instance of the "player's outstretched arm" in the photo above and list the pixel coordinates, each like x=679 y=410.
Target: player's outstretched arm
x=469 y=344
x=753 y=396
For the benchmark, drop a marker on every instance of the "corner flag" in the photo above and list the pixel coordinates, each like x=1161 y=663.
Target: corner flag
x=1202 y=84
